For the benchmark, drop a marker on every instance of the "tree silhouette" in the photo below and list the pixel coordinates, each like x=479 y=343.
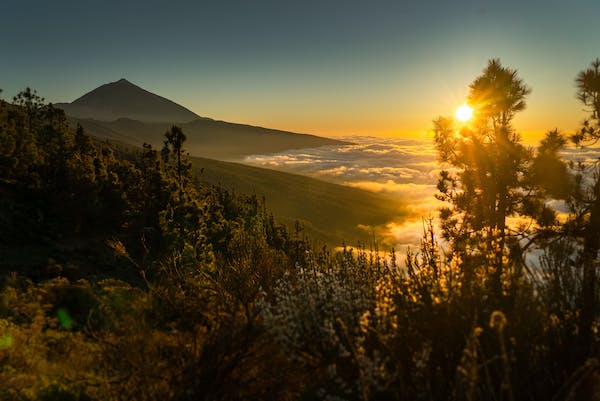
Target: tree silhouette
x=181 y=218
x=488 y=165
x=588 y=89
x=497 y=95
x=585 y=200
x=32 y=103
x=173 y=144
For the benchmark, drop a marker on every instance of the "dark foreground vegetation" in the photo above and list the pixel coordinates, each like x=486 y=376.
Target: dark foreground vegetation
x=123 y=279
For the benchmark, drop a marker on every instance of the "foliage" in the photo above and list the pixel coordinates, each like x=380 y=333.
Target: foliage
x=484 y=182
x=137 y=283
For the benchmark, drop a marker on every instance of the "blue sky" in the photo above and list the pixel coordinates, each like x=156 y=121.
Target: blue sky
x=325 y=67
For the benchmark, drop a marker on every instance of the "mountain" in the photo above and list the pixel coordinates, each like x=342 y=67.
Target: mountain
x=206 y=138
x=123 y=99
x=124 y=112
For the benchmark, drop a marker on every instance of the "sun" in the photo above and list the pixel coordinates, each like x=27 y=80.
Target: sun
x=464 y=113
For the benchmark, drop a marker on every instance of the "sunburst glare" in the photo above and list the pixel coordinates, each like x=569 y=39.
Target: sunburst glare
x=464 y=113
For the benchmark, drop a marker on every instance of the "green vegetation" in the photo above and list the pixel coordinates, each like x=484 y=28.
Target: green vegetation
x=125 y=279
x=328 y=212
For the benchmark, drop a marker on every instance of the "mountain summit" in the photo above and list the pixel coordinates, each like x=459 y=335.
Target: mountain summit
x=124 y=112
x=122 y=99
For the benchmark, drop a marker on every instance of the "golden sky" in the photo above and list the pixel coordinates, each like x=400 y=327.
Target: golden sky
x=332 y=68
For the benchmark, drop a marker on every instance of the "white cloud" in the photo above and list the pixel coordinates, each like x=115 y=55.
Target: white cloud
x=368 y=159
x=404 y=168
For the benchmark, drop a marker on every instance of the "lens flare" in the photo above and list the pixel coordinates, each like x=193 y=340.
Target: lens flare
x=64 y=318
x=464 y=113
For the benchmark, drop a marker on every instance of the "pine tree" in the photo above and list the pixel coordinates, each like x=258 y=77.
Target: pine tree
x=585 y=201
x=487 y=167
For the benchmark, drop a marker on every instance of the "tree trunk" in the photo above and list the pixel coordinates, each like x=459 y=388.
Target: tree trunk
x=590 y=263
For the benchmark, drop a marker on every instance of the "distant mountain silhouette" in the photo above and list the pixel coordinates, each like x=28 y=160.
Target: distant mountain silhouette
x=125 y=112
x=122 y=99
x=206 y=138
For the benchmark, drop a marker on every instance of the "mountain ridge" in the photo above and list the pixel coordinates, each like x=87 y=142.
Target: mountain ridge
x=122 y=98
x=125 y=112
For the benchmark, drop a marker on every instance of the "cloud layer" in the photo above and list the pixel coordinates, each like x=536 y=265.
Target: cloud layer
x=407 y=169
x=404 y=168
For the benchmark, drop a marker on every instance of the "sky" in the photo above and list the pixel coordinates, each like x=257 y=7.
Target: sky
x=328 y=67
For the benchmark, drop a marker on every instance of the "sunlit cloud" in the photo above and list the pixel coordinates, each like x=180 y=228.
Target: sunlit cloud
x=368 y=159
x=407 y=234
x=406 y=169
x=409 y=191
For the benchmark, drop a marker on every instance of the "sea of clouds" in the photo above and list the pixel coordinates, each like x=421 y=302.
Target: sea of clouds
x=406 y=169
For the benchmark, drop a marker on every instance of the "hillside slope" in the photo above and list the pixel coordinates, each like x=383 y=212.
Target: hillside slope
x=329 y=212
